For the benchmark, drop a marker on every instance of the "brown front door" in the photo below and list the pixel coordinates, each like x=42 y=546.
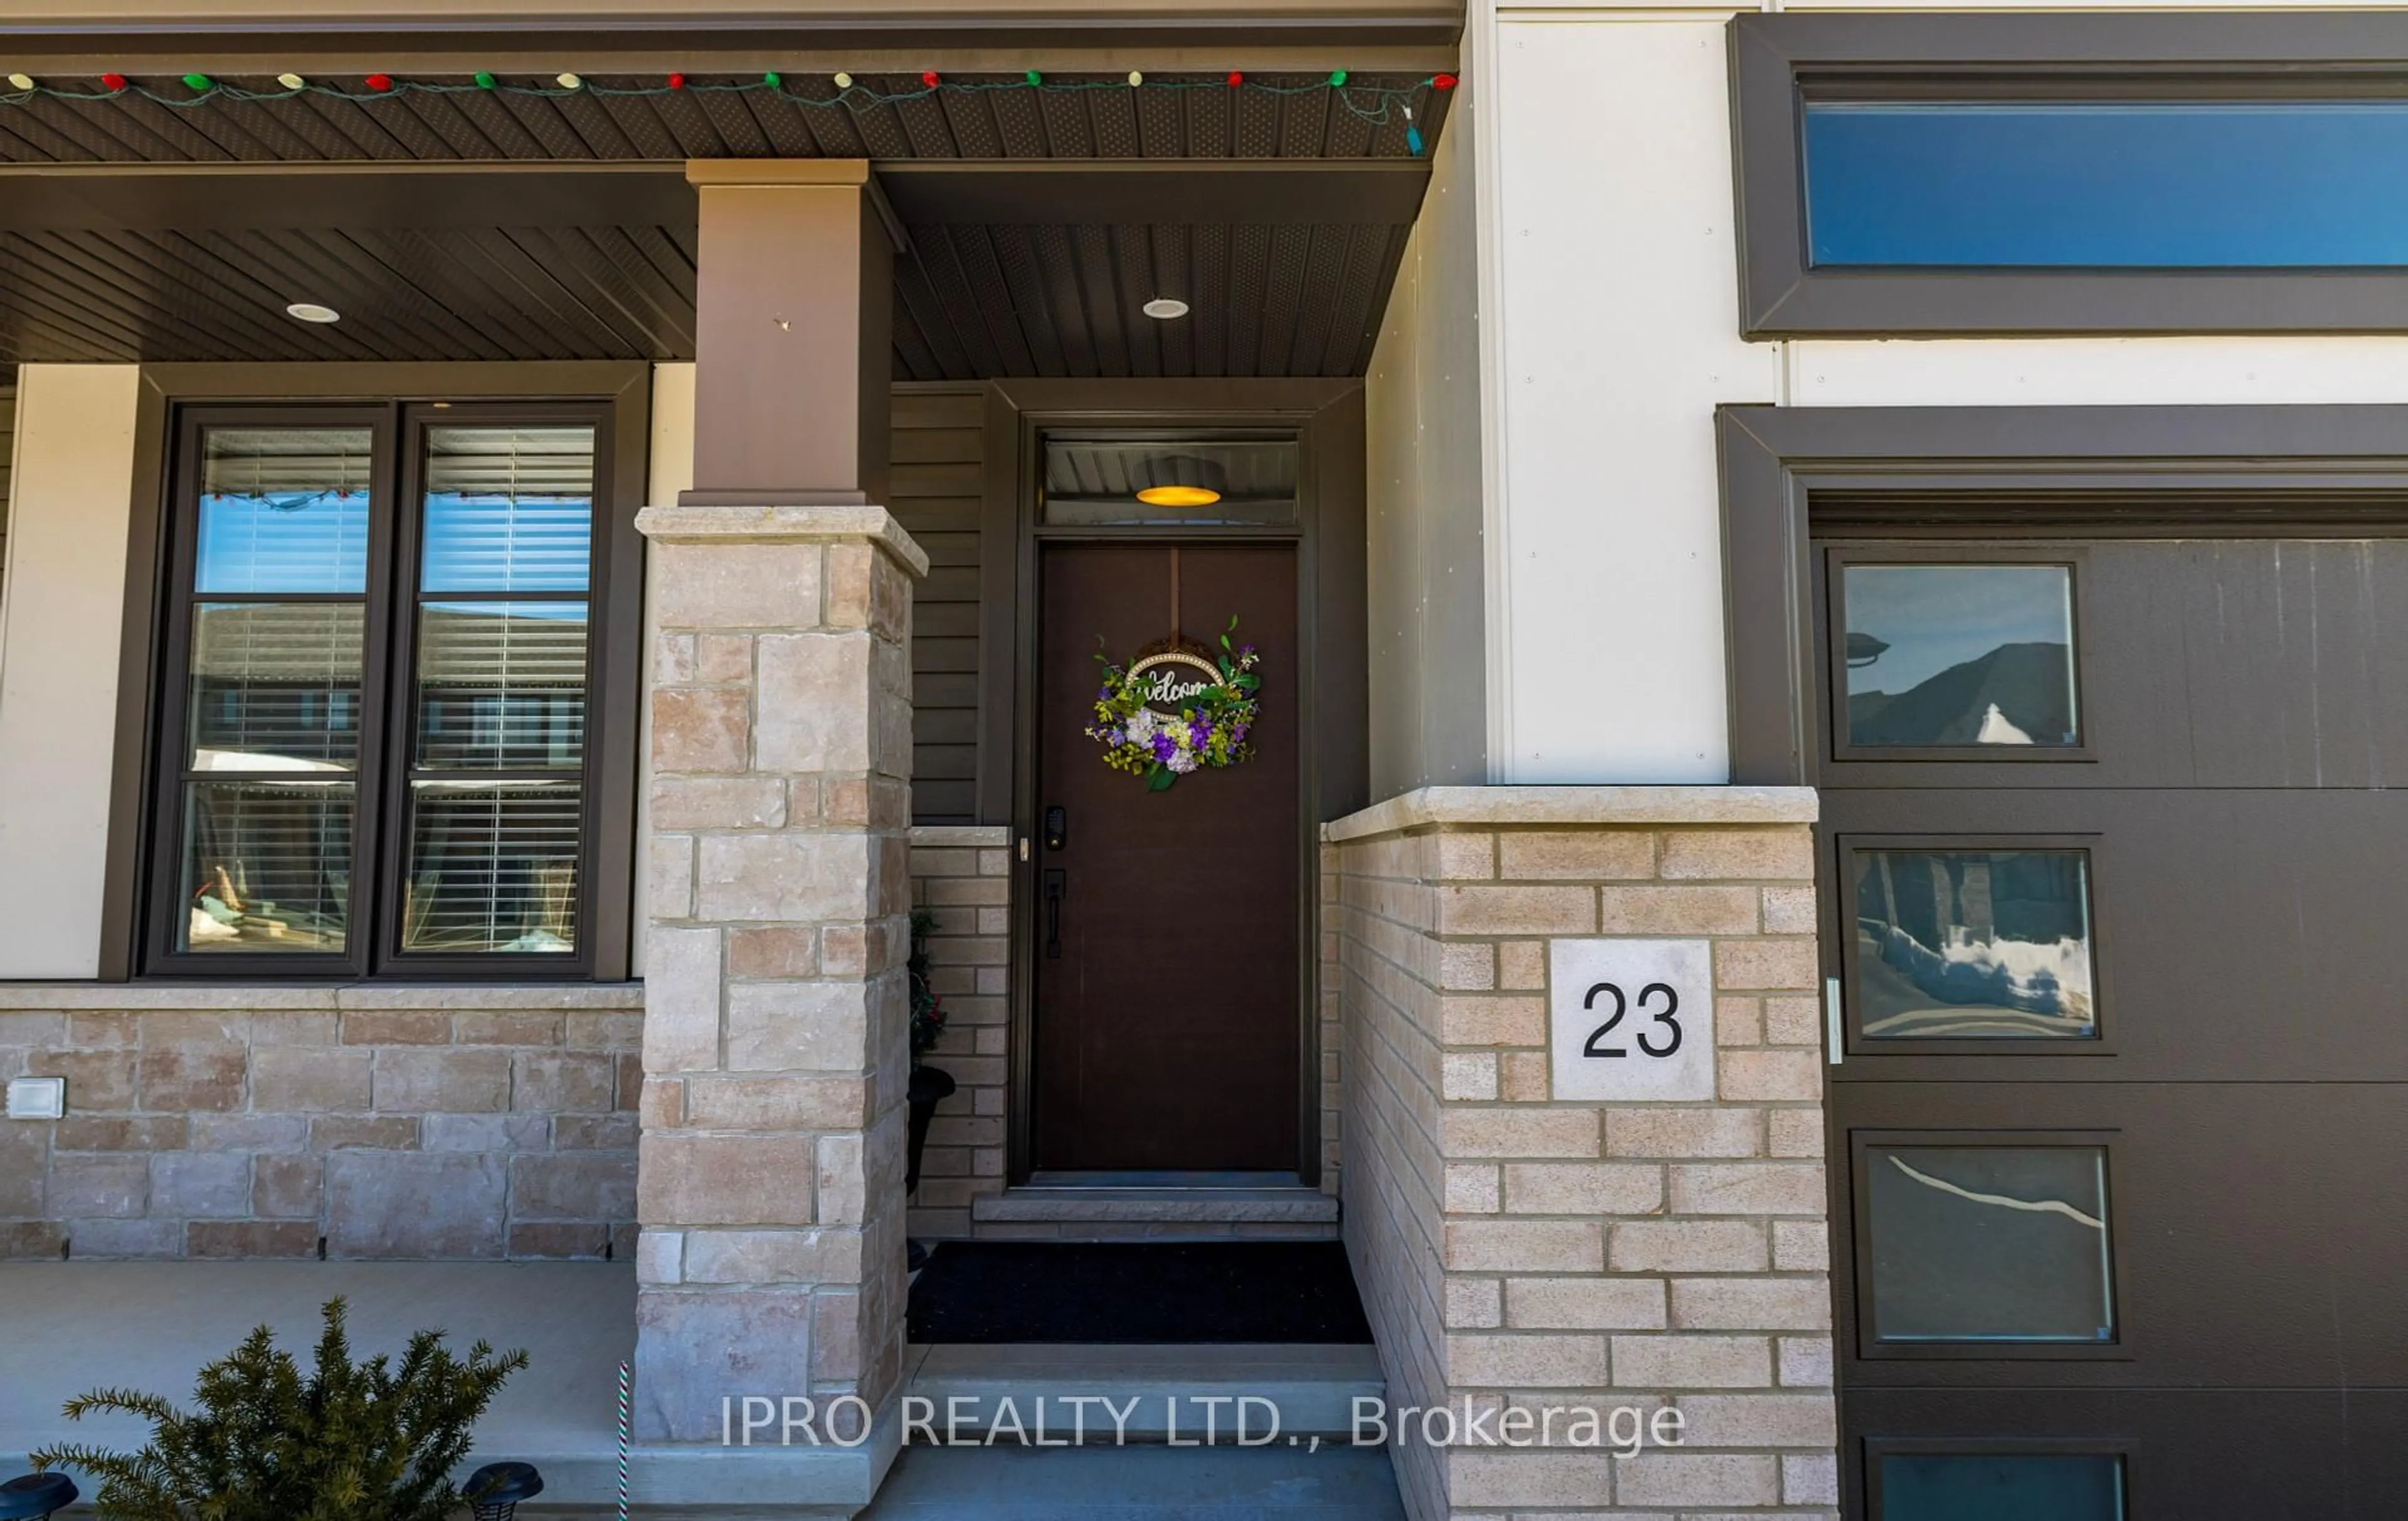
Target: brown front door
x=1166 y=1018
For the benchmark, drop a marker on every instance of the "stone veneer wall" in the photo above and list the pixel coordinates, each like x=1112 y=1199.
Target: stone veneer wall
x=1515 y=1249
x=388 y=1123
x=963 y=875
x=776 y=1053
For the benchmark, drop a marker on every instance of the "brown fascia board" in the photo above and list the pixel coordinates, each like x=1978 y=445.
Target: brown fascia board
x=234 y=36
x=257 y=197
x=92 y=198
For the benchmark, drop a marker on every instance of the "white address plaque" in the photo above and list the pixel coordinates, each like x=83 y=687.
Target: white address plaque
x=1633 y=1019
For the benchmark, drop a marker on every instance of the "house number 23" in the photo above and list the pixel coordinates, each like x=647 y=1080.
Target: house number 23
x=1630 y=1021
x=1663 y=1016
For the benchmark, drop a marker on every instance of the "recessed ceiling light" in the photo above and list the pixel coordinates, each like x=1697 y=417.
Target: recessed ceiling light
x=1163 y=308
x=310 y=312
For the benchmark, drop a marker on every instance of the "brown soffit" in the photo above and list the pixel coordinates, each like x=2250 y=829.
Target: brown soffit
x=1282 y=193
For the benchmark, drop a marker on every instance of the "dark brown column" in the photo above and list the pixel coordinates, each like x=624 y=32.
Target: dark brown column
x=794 y=354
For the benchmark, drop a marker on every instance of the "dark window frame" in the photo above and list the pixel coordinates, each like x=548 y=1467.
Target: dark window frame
x=169 y=757
x=145 y=839
x=1859 y=1222
x=1875 y=1449
x=1835 y=561
x=1780 y=60
x=1791 y=475
x=1968 y=1053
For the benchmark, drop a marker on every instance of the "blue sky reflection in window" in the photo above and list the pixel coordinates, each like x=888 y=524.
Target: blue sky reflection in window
x=2107 y=184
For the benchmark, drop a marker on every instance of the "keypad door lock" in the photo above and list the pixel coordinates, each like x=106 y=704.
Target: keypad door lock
x=1057 y=828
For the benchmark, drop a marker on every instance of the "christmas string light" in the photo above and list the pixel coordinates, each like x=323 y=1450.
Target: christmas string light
x=1372 y=103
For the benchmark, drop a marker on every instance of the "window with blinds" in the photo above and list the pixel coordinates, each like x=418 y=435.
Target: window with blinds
x=383 y=639
x=498 y=720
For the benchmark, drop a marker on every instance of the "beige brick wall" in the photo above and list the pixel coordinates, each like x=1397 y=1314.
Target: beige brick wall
x=388 y=1123
x=963 y=875
x=1519 y=1250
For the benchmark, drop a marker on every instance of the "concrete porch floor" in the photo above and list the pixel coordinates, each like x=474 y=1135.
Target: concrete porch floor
x=1137 y=1484
x=71 y=1327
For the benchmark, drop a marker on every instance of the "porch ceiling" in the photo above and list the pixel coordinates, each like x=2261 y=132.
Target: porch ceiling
x=489 y=226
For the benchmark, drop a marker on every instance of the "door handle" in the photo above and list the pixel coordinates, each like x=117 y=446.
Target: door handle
x=1055 y=889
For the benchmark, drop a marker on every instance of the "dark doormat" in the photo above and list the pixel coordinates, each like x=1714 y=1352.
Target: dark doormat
x=1136 y=1292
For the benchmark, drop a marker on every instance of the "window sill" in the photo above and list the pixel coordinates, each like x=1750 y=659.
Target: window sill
x=286 y=996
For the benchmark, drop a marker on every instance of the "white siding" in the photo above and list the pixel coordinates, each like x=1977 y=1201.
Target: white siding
x=2098 y=372
x=1621 y=315
x=59 y=617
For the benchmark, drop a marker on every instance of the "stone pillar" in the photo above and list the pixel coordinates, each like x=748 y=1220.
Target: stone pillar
x=1521 y=1249
x=776 y=1058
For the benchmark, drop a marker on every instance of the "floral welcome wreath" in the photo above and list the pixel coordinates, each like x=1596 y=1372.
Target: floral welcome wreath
x=1178 y=709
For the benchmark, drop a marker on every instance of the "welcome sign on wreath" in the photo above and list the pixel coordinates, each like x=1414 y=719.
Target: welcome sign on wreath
x=1178 y=708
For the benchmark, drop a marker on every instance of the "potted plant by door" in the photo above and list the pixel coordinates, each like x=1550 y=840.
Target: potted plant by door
x=930 y=1085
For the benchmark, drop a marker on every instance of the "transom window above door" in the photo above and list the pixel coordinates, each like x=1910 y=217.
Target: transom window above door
x=1203 y=480
x=378 y=751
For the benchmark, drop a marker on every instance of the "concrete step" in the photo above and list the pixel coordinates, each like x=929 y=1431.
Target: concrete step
x=1131 y=1206
x=1053 y=1394
x=1138 y=1483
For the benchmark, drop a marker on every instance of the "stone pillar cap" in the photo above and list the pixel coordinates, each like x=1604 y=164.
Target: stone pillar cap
x=1574 y=807
x=720 y=524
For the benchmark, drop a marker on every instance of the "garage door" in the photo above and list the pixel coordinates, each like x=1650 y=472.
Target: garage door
x=2117 y=894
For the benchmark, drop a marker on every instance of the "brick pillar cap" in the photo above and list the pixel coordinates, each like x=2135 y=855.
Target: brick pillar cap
x=721 y=525
x=1575 y=807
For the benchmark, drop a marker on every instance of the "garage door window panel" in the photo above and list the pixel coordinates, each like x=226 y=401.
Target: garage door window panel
x=1956 y=944
x=1982 y=1245
x=1941 y=656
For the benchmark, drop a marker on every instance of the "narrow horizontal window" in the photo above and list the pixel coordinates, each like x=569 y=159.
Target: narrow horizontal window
x=2107 y=184
x=2000 y=1487
x=1989 y=1244
x=1910 y=175
x=1108 y=482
